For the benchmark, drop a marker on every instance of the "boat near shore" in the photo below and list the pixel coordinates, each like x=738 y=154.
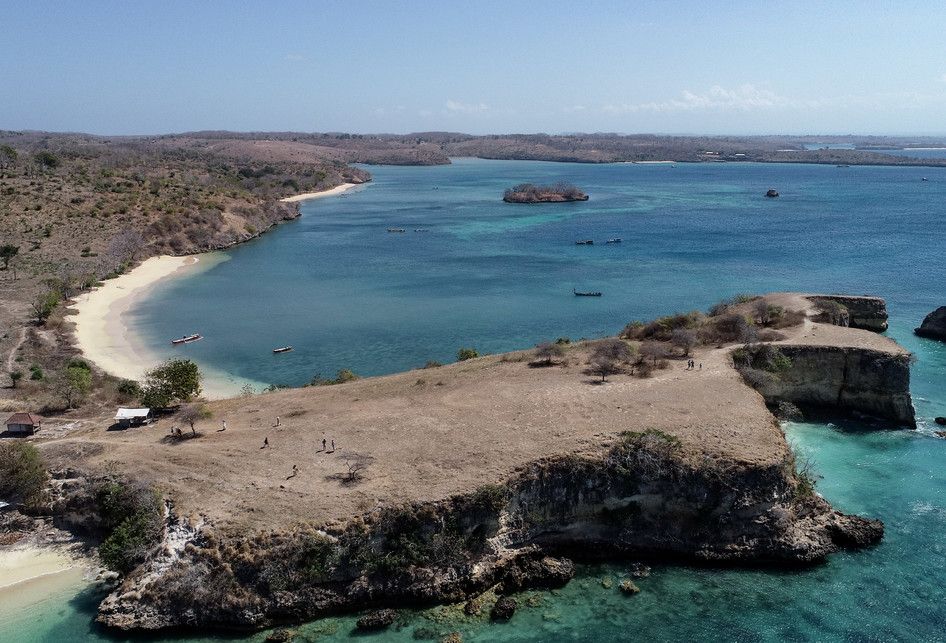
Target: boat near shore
x=187 y=339
x=585 y=242
x=587 y=293
x=282 y=349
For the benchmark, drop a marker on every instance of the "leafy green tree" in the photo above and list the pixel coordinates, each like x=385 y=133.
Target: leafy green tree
x=22 y=472
x=8 y=157
x=47 y=160
x=7 y=252
x=75 y=384
x=176 y=380
x=44 y=305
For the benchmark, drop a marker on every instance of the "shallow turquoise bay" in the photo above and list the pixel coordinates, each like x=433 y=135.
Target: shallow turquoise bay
x=347 y=294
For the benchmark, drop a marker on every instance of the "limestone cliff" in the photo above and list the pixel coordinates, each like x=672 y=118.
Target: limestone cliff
x=842 y=378
x=863 y=312
x=642 y=498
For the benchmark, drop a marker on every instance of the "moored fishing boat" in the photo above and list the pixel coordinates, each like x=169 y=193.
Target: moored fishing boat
x=282 y=349
x=187 y=339
x=585 y=242
x=614 y=240
x=588 y=293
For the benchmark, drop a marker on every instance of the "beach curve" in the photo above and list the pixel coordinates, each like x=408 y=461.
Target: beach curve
x=99 y=332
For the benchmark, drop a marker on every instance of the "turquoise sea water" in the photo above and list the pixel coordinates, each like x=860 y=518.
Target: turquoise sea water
x=348 y=294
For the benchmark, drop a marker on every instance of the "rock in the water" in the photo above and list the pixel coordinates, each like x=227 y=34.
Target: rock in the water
x=452 y=637
x=473 y=607
x=527 y=572
x=280 y=636
x=504 y=608
x=629 y=587
x=771 y=194
x=785 y=410
x=934 y=325
x=941 y=434
x=940 y=420
x=378 y=620
x=639 y=570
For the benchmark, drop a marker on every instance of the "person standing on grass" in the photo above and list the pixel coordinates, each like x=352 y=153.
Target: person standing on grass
x=323 y=444
x=333 y=446
x=224 y=422
x=277 y=420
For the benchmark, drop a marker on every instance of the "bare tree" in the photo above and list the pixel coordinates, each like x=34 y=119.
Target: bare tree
x=547 y=351
x=654 y=350
x=609 y=357
x=357 y=464
x=125 y=246
x=191 y=413
x=684 y=339
x=748 y=334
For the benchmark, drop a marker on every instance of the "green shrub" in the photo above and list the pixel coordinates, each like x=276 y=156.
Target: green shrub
x=131 y=516
x=129 y=389
x=466 y=353
x=22 y=472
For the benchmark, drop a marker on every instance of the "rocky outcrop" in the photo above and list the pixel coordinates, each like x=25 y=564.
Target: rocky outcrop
x=643 y=496
x=377 y=620
x=864 y=312
x=934 y=325
x=841 y=379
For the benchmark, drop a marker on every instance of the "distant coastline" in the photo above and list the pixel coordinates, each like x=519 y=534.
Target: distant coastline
x=306 y=196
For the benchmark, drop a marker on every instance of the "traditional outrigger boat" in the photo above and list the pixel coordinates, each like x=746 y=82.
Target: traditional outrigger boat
x=187 y=339
x=585 y=242
x=590 y=293
x=397 y=230
x=283 y=349
x=614 y=240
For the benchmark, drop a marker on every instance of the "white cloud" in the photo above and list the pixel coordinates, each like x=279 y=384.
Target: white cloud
x=744 y=98
x=466 y=108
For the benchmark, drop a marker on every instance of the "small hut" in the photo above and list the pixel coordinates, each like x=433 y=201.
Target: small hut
x=133 y=417
x=24 y=424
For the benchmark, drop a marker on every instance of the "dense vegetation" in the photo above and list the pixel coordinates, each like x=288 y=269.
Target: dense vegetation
x=529 y=193
x=22 y=472
x=131 y=523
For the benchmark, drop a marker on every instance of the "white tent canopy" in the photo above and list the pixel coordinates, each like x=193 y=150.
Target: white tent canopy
x=132 y=414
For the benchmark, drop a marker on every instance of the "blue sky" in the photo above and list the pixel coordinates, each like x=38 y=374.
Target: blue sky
x=712 y=67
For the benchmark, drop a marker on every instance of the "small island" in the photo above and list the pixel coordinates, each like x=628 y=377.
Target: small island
x=529 y=193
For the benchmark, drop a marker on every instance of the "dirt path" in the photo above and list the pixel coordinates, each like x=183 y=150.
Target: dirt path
x=11 y=358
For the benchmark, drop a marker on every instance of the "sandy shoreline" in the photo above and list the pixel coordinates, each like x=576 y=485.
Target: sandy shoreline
x=24 y=564
x=305 y=196
x=100 y=332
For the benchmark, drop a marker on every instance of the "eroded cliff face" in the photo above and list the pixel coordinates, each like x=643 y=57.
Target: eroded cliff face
x=844 y=379
x=866 y=313
x=641 y=497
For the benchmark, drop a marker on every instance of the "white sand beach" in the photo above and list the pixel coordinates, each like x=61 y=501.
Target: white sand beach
x=305 y=196
x=100 y=332
x=24 y=564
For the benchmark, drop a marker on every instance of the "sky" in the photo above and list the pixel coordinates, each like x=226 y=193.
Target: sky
x=707 y=67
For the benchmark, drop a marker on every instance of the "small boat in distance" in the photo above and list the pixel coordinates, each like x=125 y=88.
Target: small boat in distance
x=187 y=339
x=614 y=240
x=283 y=349
x=397 y=230
x=585 y=242
x=590 y=293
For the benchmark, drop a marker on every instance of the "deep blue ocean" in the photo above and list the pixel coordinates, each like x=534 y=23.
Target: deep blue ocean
x=473 y=271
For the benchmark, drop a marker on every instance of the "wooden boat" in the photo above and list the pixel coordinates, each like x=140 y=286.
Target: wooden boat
x=585 y=242
x=396 y=230
x=283 y=349
x=772 y=193
x=590 y=293
x=614 y=240
x=187 y=339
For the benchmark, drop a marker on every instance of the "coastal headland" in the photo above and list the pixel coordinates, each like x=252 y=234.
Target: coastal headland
x=438 y=484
